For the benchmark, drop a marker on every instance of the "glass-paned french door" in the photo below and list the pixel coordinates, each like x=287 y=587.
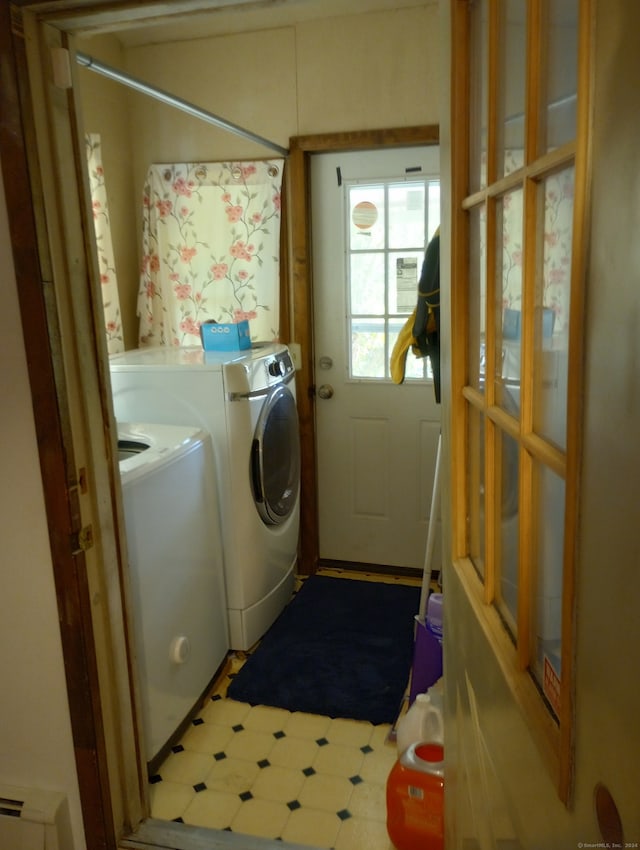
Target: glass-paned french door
x=518 y=296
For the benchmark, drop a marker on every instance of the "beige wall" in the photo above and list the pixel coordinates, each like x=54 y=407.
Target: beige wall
x=36 y=747
x=498 y=787
x=369 y=71
x=352 y=72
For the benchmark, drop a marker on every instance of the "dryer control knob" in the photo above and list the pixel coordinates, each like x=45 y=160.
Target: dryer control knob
x=180 y=649
x=276 y=368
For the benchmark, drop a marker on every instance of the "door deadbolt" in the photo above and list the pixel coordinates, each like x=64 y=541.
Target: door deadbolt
x=325 y=362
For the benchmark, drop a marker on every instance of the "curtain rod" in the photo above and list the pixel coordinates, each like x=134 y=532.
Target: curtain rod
x=170 y=99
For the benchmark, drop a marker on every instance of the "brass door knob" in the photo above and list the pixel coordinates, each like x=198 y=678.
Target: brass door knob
x=325 y=391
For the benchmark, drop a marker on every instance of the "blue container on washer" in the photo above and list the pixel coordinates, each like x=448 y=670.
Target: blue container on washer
x=218 y=336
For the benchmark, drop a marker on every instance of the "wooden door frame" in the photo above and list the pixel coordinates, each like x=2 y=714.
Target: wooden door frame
x=61 y=483
x=301 y=148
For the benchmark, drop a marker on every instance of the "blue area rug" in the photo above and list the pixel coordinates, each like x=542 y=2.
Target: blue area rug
x=341 y=648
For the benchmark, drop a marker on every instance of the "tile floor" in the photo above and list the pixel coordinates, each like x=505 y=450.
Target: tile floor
x=268 y=772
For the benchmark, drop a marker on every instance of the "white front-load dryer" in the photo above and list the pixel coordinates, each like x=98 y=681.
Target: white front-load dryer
x=246 y=401
x=176 y=571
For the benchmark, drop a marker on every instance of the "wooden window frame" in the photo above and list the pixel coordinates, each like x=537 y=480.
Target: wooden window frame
x=555 y=738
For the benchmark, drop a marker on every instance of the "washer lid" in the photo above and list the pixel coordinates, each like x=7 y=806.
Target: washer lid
x=164 y=443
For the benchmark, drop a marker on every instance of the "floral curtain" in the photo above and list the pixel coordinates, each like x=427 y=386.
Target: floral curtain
x=556 y=267
x=210 y=249
x=558 y=235
x=106 y=263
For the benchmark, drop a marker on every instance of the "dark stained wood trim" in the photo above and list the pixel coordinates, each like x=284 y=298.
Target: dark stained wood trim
x=302 y=317
x=285 y=272
x=368 y=139
x=300 y=150
x=114 y=15
x=48 y=390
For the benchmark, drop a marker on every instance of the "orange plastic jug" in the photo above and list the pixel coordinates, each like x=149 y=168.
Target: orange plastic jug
x=415 y=798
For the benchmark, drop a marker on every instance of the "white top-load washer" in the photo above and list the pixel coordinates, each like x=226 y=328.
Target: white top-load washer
x=246 y=401
x=176 y=571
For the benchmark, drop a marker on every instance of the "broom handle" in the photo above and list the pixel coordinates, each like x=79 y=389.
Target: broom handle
x=428 y=555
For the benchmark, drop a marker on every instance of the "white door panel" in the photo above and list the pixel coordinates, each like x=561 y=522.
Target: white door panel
x=377 y=441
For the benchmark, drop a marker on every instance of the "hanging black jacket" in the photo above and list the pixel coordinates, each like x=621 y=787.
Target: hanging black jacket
x=426 y=327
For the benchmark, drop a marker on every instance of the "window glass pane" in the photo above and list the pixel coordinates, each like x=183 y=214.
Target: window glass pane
x=389 y=226
x=553 y=300
x=416 y=368
x=475 y=488
x=477 y=295
x=561 y=73
x=549 y=497
x=479 y=75
x=508 y=298
x=369 y=357
x=406 y=215
x=507 y=532
x=367 y=227
x=512 y=80
x=367 y=284
x=404 y=271
x=433 y=210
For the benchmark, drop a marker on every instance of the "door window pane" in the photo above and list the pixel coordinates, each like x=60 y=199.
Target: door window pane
x=477 y=296
x=475 y=488
x=404 y=273
x=508 y=518
x=367 y=219
x=406 y=215
x=549 y=498
x=561 y=79
x=512 y=78
x=416 y=368
x=508 y=298
x=433 y=209
x=367 y=284
x=553 y=302
x=479 y=82
x=368 y=350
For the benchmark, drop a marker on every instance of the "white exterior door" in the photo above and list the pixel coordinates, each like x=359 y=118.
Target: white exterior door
x=372 y=213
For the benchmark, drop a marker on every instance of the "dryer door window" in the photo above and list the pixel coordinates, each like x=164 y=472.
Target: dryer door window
x=275 y=460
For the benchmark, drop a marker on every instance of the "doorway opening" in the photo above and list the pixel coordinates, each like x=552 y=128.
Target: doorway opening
x=373 y=483
x=89 y=446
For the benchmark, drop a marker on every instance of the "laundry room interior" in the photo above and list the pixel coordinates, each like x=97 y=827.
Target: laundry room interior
x=172 y=187
x=104 y=601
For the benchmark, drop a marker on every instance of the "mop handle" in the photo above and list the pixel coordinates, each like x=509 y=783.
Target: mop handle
x=428 y=555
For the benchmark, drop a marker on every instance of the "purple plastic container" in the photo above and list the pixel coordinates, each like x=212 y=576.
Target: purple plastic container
x=427 y=649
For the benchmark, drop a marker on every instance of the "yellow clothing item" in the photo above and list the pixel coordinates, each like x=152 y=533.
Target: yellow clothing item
x=404 y=342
